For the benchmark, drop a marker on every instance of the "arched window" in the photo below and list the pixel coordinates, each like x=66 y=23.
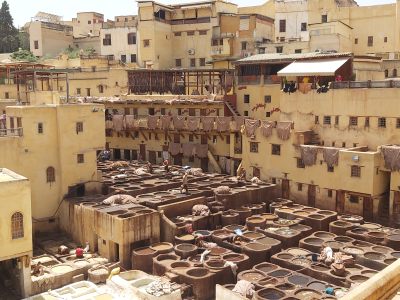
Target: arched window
x=17 y=225
x=394 y=72
x=386 y=73
x=50 y=174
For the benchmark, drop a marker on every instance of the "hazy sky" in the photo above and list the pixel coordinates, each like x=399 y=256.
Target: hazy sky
x=23 y=10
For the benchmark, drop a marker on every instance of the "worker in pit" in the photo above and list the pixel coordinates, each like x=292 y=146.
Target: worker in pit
x=241 y=174
x=184 y=185
x=166 y=165
x=149 y=167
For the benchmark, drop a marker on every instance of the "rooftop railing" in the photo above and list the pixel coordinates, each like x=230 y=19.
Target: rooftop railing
x=12 y=132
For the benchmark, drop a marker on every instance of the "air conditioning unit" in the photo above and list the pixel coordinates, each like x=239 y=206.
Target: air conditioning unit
x=246 y=54
x=191 y=51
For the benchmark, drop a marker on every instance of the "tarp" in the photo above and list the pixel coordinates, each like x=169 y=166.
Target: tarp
x=316 y=67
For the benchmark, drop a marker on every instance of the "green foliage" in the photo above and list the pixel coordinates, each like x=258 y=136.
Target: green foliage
x=24 y=55
x=9 y=37
x=76 y=52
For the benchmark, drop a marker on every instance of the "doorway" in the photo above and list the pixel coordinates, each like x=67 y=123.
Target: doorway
x=312 y=191
x=152 y=157
x=285 y=189
x=142 y=152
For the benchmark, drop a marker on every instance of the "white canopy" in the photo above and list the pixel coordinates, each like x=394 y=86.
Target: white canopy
x=315 y=67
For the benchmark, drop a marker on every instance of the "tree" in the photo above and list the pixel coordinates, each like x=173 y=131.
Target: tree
x=24 y=55
x=9 y=39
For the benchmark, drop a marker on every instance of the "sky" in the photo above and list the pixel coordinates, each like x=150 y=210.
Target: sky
x=23 y=10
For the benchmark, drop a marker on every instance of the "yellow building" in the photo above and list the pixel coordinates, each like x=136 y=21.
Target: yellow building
x=54 y=145
x=16 y=230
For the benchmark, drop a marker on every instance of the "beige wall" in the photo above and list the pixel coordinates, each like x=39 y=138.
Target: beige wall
x=57 y=146
x=15 y=193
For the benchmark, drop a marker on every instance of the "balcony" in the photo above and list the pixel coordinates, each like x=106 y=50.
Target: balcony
x=17 y=132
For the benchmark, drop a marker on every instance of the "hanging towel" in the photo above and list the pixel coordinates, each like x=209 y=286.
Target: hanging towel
x=266 y=128
x=188 y=150
x=208 y=123
x=201 y=150
x=309 y=154
x=152 y=122
x=283 y=130
x=118 y=122
x=223 y=124
x=179 y=122
x=174 y=148
x=331 y=156
x=239 y=121
x=251 y=127
x=192 y=123
x=165 y=122
x=391 y=155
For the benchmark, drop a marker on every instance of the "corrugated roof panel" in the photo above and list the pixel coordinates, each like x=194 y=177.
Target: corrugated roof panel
x=318 y=67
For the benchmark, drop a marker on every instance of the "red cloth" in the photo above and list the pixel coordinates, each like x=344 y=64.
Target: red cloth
x=79 y=252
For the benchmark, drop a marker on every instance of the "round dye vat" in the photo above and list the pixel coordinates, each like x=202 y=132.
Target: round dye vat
x=265 y=267
x=307 y=294
x=286 y=287
x=162 y=247
x=358 y=278
x=297 y=251
x=251 y=275
x=396 y=254
x=197 y=272
x=314 y=241
x=324 y=235
x=253 y=235
x=270 y=294
x=381 y=249
x=317 y=285
x=343 y=239
x=284 y=256
x=374 y=255
x=280 y=273
x=61 y=269
x=298 y=280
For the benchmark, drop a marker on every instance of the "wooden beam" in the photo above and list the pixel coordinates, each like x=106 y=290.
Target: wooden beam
x=144 y=136
x=221 y=136
x=156 y=136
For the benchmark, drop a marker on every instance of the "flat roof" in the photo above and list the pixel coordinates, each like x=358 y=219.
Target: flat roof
x=7 y=175
x=280 y=57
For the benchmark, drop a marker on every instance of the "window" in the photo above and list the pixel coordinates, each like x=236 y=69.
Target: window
x=78 y=91
x=89 y=22
x=355 y=171
x=353 y=199
x=192 y=62
x=356 y=41
x=131 y=38
x=36 y=44
x=268 y=114
x=191 y=138
x=336 y=120
x=17 y=226
x=276 y=149
x=190 y=33
x=80 y=158
x=303 y=26
x=398 y=123
x=246 y=98
x=178 y=62
x=146 y=43
x=50 y=175
x=107 y=40
x=386 y=73
x=370 y=41
x=324 y=18
x=202 y=62
x=333 y=144
x=202 y=32
x=133 y=58
x=282 y=25
x=273 y=180
x=343 y=144
x=215 y=139
x=178 y=33
x=279 y=49
x=330 y=169
x=299 y=187
x=300 y=163
x=79 y=127
x=327 y=120
x=267 y=99
x=40 y=128
x=394 y=73
x=382 y=122
x=244 y=45
x=330 y=193
x=101 y=89
x=366 y=124
x=253 y=147
x=316 y=120
x=297 y=51
x=162 y=111
x=123 y=58
x=88 y=92
x=192 y=112
x=385 y=39
x=353 y=121
x=228 y=139
x=7 y=95
x=246 y=113
x=19 y=122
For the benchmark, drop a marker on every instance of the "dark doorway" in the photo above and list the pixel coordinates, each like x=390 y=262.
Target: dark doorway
x=312 y=189
x=152 y=157
x=117 y=154
x=142 y=152
x=127 y=154
x=204 y=164
x=285 y=189
x=368 y=208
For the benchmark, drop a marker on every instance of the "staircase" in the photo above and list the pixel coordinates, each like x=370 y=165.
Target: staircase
x=232 y=109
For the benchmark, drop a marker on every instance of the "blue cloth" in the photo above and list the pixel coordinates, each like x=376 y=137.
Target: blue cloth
x=330 y=291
